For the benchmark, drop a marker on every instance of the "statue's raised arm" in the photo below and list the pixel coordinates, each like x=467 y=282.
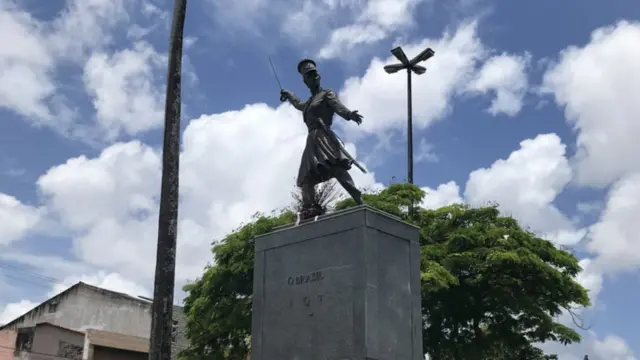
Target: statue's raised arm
x=293 y=99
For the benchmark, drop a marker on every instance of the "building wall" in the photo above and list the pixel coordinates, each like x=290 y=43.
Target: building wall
x=56 y=342
x=7 y=344
x=84 y=307
x=105 y=353
x=180 y=341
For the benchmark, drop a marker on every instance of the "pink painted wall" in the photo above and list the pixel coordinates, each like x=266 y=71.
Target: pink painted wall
x=7 y=344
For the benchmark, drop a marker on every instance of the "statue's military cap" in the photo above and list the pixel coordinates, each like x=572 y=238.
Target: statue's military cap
x=306 y=65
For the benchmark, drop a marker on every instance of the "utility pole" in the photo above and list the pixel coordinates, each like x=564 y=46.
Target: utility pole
x=411 y=67
x=165 y=275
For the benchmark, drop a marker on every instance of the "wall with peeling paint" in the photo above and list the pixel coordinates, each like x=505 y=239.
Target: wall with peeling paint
x=84 y=307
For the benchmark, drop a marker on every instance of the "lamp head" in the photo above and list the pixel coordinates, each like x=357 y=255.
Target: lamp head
x=391 y=69
x=423 y=56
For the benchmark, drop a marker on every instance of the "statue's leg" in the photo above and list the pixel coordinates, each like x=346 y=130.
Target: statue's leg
x=308 y=195
x=345 y=179
x=308 y=191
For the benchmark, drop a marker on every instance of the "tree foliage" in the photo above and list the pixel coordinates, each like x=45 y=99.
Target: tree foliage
x=490 y=289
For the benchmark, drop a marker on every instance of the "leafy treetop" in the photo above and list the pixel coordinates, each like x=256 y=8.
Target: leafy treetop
x=490 y=289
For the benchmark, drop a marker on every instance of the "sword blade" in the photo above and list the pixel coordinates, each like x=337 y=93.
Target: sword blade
x=273 y=69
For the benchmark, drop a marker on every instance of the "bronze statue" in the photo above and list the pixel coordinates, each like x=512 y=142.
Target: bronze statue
x=324 y=156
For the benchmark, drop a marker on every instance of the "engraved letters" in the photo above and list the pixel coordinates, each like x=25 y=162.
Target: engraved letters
x=315 y=276
x=310 y=302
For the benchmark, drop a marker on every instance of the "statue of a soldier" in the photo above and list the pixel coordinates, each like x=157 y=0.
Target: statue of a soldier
x=324 y=157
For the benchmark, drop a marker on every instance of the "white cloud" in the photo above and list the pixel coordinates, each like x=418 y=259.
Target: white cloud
x=445 y=194
x=589 y=207
x=597 y=86
x=614 y=239
x=611 y=347
x=381 y=98
x=110 y=281
x=345 y=38
x=591 y=278
x=566 y=237
x=14 y=310
x=505 y=75
x=424 y=152
x=110 y=201
x=17 y=219
x=126 y=95
x=597 y=348
x=34 y=50
x=25 y=65
x=326 y=27
x=82 y=26
x=377 y=21
x=526 y=184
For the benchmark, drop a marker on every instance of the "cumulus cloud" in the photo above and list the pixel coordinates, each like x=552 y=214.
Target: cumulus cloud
x=327 y=28
x=121 y=84
x=381 y=97
x=505 y=75
x=110 y=281
x=526 y=184
x=590 y=277
x=597 y=86
x=614 y=238
x=377 y=21
x=110 y=201
x=17 y=218
x=14 y=310
x=610 y=347
x=424 y=153
x=25 y=79
x=124 y=86
x=443 y=195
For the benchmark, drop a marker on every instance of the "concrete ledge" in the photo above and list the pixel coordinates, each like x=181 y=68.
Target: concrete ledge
x=337 y=222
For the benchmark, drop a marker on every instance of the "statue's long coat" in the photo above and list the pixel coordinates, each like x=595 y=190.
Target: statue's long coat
x=321 y=153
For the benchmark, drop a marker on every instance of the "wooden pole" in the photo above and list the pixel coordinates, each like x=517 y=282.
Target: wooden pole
x=164 y=282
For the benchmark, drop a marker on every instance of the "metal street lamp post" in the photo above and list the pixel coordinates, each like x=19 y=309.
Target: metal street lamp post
x=410 y=66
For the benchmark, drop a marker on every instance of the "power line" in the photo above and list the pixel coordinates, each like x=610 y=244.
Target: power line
x=27 y=276
x=28 y=271
x=17 y=278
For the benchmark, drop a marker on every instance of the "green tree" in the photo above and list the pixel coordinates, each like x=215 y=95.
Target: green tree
x=490 y=289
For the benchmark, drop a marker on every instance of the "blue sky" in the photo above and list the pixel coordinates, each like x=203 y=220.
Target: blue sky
x=526 y=104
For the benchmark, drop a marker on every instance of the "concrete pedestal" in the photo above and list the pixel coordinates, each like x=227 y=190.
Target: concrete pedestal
x=345 y=287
